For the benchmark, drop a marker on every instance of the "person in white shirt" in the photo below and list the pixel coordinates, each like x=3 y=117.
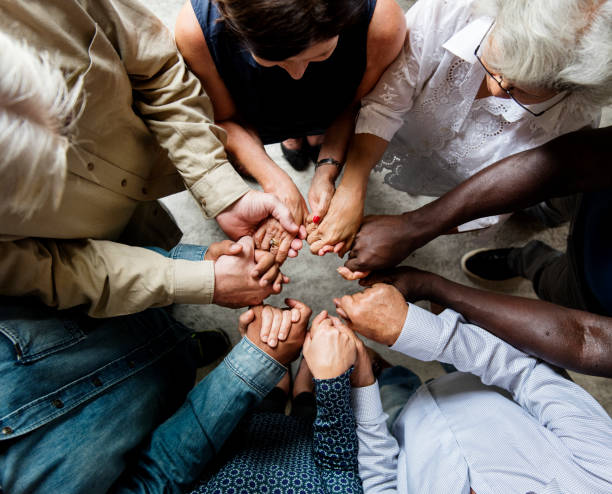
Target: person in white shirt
x=476 y=81
x=506 y=423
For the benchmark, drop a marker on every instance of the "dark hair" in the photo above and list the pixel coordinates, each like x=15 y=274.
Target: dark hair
x=278 y=29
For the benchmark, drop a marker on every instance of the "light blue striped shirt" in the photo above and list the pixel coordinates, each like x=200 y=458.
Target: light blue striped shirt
x=508 y=423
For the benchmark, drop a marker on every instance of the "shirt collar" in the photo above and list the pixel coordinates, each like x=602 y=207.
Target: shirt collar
x=464 y=42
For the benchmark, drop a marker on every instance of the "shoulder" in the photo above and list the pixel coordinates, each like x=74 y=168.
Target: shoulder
x=188 y=32
x=387 y=26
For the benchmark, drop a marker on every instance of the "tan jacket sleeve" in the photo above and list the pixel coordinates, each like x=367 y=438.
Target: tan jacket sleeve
x=112 y=279
x=172 y=103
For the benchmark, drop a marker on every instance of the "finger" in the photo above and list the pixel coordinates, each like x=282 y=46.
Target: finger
x=279 y=211
x=277 y=286
x=244 y=320
x=326 y=249
x=304 y=310
x=292 y=253
x=265 y=260
x=339 y=246
x=266 y=323
x=342 y=313
x=248 y=246
x=276 y=325
x=265 y=243
x=302 y=232
x=295 y=315
x=259 y=236
x=347 y=274
x=306 y=345
x=338 y=323
x=283 y=249
x=296 y=244
x=269 y=276
x=321 y=316
x=285 y=325
x=355 y=264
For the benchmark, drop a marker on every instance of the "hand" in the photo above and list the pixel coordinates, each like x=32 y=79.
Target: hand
x=382 y=242
x=329 y=347
x=337 y=230
x=237 y=281
x=377 y=313
x=362 y=374
x=244 y=216
x=273 y=237
x=276 y=323
x=250 y=323
x=412 y=283
x=321 y=191
x=288 y=193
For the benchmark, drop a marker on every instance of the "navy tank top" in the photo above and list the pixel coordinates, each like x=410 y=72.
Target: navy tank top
x=267 y=98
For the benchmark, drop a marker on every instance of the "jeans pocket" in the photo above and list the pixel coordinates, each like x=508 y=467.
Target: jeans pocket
x=36 y=331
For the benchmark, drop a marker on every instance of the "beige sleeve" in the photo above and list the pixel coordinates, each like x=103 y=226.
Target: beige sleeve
x=172 y=103
x=112 y=279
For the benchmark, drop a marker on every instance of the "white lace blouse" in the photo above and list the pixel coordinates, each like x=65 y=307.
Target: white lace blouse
x=425 y=104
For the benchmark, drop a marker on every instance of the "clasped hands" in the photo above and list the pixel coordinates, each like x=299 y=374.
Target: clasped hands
x=331 y=346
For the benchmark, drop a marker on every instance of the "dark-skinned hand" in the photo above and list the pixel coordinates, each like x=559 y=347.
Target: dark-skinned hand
x=412 y=283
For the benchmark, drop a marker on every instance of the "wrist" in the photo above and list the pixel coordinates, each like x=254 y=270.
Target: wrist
x=327 y=171
x=273 y=179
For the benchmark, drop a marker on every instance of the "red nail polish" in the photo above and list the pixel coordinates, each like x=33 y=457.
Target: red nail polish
x=316 y=219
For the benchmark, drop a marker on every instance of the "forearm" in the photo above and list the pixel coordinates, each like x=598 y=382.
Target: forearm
x=181 y=447
x=378 y=449
x=247 y=152
x=571 y=163
x=364 y=152
x=568 y=338
x=111 y=279
x=338 y=135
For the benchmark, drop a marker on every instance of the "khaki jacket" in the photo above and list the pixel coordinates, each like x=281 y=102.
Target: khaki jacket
x=143 y=117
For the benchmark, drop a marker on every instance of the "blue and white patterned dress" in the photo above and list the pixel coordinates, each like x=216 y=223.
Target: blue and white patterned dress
x=271 y=453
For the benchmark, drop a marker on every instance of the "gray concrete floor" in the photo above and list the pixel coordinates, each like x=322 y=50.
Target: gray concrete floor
x=314 y=280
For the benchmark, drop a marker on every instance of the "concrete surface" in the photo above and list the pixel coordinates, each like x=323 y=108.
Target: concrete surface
x=314 y=279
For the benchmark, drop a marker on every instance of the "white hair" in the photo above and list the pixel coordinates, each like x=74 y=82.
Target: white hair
x=36 y=109
x=552 y=44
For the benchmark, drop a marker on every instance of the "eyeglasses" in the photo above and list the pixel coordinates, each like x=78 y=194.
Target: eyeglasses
x=499 y=79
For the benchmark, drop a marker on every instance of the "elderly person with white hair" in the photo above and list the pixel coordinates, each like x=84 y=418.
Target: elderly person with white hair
x=476 y=81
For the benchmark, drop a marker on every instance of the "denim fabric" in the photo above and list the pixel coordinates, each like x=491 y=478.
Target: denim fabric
x=78 y=394
x=189 y=252
x=82 y=399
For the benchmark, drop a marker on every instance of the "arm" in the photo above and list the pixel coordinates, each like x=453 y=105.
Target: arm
x=571 y=163
x=378 y=449
x=180 y=448
x=171 y=103
x=569 y=338
x=386 y=34
x=334 y=437
x=243 y=143
x=112 y=279
x=558 y=404
x=386 y=37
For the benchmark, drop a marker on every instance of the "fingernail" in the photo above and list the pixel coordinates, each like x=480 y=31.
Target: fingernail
x=316 y=219
x=272 y=342
x=264 y=338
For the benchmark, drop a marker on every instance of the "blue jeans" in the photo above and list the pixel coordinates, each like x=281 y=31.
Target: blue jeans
x=92 y=405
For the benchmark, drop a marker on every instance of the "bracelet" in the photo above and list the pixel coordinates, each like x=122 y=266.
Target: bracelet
x=329 y=161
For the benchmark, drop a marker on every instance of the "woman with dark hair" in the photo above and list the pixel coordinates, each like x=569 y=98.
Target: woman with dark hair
x=290 y=71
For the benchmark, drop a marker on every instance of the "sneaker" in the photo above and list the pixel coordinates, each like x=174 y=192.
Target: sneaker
x=212 y=345
x=488 y=265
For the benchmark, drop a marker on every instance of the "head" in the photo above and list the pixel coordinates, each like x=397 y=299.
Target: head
x=543 y=47
x=35 y=110
x=289 y=33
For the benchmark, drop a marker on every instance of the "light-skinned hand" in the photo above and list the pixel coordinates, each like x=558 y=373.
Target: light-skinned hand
x=235 y=283
x=271 y=236
x=377 y=313
x=245 y=215
x=329 y=347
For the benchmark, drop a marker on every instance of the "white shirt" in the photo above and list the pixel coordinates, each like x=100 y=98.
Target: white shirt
x=427 y=100
x=544 y=434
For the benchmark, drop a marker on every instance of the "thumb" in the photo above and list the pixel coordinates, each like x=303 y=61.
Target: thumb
x=273 y=206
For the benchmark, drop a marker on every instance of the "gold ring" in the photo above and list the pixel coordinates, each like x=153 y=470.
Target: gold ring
x=273 y=243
